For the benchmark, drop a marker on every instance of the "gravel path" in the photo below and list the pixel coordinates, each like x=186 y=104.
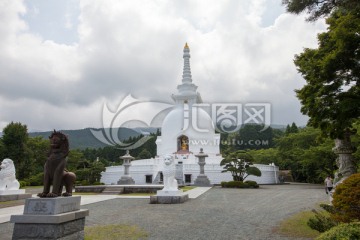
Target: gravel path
x=217 y=214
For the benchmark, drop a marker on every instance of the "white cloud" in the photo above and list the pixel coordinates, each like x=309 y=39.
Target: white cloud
x=136 y=47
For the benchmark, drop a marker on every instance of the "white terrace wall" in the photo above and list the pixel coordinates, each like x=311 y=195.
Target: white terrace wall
x=269 y=173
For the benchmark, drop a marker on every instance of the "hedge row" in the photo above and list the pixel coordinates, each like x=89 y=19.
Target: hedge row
x=239 y=184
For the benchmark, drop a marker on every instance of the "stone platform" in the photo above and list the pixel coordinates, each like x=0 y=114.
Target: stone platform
x=50 y=218
x=202 y=180
x=11 y=195
x=169 y=197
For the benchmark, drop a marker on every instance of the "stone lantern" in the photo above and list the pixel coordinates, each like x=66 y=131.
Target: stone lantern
x=202 y=179
x=126 y=178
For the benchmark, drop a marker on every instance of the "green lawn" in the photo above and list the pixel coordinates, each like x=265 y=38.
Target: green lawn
x=137 y=194
x=115 y=232
x=84 y=193
x=187 y=188
x=296 y=226
x=32 y=187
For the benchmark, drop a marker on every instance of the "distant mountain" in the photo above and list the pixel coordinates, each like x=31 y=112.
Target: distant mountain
x=83 y=138
x=274 y=126
x=278 y=126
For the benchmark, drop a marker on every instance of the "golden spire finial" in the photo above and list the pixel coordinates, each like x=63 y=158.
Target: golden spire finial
x=186 y=45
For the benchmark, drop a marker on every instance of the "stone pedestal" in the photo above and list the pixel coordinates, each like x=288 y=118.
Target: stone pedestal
x=169 y=197
x=170 y=194
x=202 y=180
x=50 y=218
x=126 y=180
x=10 y=195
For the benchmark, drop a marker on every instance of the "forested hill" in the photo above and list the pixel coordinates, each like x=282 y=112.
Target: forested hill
x=83 y=138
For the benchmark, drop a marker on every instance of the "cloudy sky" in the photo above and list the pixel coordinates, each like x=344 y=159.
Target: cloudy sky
x=61 y=61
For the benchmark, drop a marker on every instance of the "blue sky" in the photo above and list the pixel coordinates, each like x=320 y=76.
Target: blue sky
x=61 y=61
x=54 y=20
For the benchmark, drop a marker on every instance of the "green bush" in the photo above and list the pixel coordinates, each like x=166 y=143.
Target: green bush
x=239 y=184
x=98 y=183
x=232 y=184
x=327 y=207
x=345 y=231
x=252 y=184
x=23 y=184
x=320 y=222
x=36 y=180
x=346 y=200
x=84 y=183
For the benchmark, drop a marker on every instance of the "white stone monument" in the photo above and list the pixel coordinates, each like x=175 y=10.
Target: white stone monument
x=9 y=185
x=170 y=193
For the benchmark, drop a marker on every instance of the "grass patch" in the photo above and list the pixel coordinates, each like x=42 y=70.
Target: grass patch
x=114 y=232
x=12 y=203
x=296 y=226
x=84 y=193
x=32 y=187
x=138 y=194
x=187 y=188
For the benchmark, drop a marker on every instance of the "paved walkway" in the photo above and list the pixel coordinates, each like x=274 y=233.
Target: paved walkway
x=215 y=214
x=5 y=213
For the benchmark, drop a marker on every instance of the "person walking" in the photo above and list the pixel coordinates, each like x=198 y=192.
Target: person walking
x=328 y=184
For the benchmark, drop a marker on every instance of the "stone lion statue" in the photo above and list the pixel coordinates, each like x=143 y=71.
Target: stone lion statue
x=7 y=176
x=170 y=183
x=54 y=170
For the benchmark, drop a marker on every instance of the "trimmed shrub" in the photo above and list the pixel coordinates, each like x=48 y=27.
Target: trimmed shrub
x=252 y=184
x=239 y=184
x=345 y=231
x=234 y=184
x=346 y=200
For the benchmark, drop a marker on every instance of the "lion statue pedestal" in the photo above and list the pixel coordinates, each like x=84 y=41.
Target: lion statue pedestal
x=170 y=194
x=54 y=214
x=9 y=185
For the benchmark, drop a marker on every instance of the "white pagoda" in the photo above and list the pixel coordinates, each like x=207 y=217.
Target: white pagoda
x=183 y=133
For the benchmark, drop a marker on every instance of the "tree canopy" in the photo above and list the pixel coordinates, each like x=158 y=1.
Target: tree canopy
x=309 y=156
x=14 y=139
x=331 y=96
x=319 y=8
x=291 y=129
x=239 y=165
